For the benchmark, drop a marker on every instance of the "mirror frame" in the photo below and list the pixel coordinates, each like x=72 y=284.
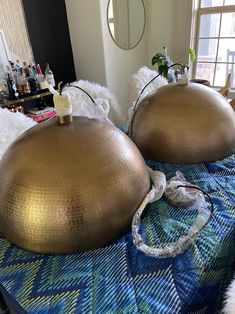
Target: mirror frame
x=141 y=36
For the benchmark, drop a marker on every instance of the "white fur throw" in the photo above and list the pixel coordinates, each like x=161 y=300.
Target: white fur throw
x=229 y=307
x=13 y=124
x=82 y=105
x=140 y=79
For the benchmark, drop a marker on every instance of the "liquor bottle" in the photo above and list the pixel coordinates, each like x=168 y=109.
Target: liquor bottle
x=25 y=70
x=26 y=86
x=22 y=83
x=49 y=75
x=19 y=82
x=34 y=85
x=41 y=79
x=39 y=71
x=35 y=71
x=17 y=65
x=13 y=67
x=13 y=93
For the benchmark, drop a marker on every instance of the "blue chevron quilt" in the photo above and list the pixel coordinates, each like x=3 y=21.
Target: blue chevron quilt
x=119 y=279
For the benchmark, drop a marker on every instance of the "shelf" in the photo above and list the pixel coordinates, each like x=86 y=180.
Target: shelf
x=22 y=100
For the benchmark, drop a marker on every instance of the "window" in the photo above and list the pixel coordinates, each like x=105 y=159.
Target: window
x=215 y=42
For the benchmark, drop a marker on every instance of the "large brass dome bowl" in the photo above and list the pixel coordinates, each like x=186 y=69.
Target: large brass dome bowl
x=184 y=124
x=70 y=188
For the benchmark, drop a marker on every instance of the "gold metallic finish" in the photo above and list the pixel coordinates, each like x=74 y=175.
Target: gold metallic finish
x=69 y=188
x=184 y=124
x=65 y=119
x=22 y=100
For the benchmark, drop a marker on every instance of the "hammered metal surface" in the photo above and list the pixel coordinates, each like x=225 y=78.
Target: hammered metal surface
x=69 y=188
x=184 y=124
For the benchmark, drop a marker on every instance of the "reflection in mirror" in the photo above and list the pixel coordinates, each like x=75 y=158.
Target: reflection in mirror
x=126 y=22
x=14 y=31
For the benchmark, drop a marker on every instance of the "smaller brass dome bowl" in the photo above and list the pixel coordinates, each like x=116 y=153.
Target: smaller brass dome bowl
x=70 y=188
x=184 y=124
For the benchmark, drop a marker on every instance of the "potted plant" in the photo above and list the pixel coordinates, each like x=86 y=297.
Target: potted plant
x=165 y=65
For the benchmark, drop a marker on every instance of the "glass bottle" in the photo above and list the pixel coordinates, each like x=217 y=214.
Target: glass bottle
x=49 y=75
x=22 y=83
x=13 y=93
x=26 y=86
x=34 y=85
x=39 y=71
x=25 y=70
x=19 y=83
x=41 y=79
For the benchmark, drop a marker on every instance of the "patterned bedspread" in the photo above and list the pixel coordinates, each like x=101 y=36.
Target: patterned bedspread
x=119 y=279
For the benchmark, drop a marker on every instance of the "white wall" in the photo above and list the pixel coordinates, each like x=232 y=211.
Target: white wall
x=169 y=24
x=181 y=30
x=87 y=40
x=97 y=58
x=160 y=19
x=121 y=64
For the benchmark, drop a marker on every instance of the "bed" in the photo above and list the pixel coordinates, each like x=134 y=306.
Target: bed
x=120 y=279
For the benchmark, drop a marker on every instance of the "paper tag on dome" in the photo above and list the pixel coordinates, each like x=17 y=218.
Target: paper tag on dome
x=62 y=105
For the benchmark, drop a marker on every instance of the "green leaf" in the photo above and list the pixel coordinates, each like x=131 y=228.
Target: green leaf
x=192 y=55
x=154 y=60
x=166 y=71
x=157 y=59
x=163 y=70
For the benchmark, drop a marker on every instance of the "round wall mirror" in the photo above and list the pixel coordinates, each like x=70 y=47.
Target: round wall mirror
x=126 y=22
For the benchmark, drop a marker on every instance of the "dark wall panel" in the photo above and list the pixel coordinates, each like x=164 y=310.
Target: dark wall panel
x=49 y=36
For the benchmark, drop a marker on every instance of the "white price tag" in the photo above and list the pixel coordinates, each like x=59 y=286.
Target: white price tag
x=62 y=105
